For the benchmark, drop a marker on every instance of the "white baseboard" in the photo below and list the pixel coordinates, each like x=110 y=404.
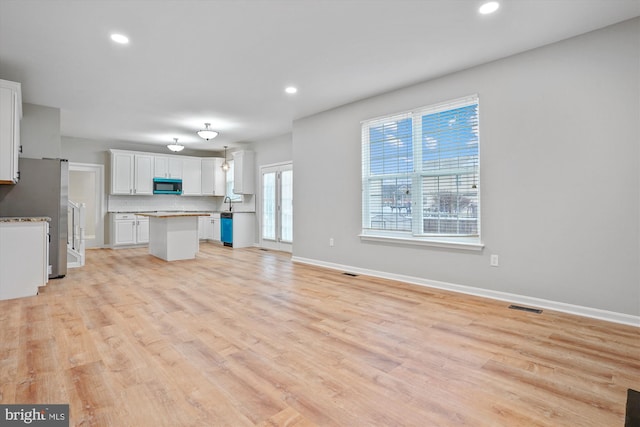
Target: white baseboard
x=594 y=313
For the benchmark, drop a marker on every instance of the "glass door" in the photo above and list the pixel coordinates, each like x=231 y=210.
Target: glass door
x=277 y=207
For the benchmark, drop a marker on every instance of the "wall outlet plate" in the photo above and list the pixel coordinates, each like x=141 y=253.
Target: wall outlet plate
x=495 y=261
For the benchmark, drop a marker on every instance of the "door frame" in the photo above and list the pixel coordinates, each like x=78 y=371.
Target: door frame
x=101 y=201
x=267 y=243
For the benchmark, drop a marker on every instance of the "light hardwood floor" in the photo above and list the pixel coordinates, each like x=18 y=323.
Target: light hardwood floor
x=244 y=337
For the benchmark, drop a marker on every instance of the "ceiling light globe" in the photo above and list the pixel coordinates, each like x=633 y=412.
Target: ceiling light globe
x=207 y=133
x=175 y=146
x=489 y=7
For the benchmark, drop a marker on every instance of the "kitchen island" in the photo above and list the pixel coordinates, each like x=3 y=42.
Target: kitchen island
x=173 y=236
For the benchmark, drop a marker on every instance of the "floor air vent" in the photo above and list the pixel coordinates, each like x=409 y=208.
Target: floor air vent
x=350 y=274
x=528 y=309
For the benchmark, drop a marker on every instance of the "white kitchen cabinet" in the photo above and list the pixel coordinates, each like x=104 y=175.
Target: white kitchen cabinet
x=131 y=173
x=243 y=229
x=213 y=177
x=10 y=116
x=167 y=167
x=243 y=172
x=191 y=176
x=142 y=229
x=209 y=227
x=215 y=224
x=24 y=258
x=129 y=229
x=143 y=174
x=205 y=232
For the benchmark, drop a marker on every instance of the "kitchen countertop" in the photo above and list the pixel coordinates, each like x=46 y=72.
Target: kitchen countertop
x=170 y=214
x=25 y=219
x=178 y=212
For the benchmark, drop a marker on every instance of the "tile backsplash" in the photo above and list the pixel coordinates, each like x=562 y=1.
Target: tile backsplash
x=176 y=203
x=162 y=203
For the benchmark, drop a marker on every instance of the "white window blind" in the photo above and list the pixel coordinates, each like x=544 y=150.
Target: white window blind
x=420 y=172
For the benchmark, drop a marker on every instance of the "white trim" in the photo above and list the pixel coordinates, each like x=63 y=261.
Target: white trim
x=450 y=105
x=101 y=199
x=435 y=242
x=272 y=244
x=594 y=313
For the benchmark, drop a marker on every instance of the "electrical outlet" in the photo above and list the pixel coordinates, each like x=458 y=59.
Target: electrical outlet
x=495 y=261
x=331 y=241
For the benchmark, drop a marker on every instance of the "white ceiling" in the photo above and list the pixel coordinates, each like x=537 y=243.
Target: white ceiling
x=228 y=61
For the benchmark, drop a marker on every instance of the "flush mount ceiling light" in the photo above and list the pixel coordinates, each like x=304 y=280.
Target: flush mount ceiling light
x=489 y=7
x=119 y=38
x=291 y=90
x=207 y=133
x=175 y=146
x=225 y=166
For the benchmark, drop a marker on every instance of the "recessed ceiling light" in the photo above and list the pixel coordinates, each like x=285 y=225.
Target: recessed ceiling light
x=119 y=38
x=489 y=7
x=291 y=90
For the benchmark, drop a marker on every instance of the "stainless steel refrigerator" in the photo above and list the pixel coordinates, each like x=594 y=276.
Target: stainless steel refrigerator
x=43 y=190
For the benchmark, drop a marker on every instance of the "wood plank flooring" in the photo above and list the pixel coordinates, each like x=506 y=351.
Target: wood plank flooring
x=245 y=337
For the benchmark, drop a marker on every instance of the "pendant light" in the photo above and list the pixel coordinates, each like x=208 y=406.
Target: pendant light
x=225 y=166
x=207 y=133
x=175 y=146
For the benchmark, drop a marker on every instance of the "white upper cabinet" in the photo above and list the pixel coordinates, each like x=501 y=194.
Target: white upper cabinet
x=143 y=174
x=213 y=177
x=161 y=167
x=10 y=116
x=191 y=177
x=131 y=173
x=243 y=172
x=121 y=173
x=168 y=167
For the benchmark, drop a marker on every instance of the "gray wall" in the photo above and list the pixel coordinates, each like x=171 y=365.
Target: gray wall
x=560 y=184
x=271 y=151
x=40 y=132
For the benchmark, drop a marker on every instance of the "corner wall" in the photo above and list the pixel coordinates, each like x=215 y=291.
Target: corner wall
x=40 y=132
x=560 y=180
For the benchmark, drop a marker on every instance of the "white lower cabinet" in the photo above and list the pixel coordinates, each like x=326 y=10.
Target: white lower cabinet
x=129 y=229
x=215 y=223
x=24 y=258
x=209 y=227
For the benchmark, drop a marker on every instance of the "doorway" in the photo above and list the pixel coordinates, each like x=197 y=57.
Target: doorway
x=276 y=225
x=86 y=185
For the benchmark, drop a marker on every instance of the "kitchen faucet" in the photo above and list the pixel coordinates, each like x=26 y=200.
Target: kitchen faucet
x=225 y=201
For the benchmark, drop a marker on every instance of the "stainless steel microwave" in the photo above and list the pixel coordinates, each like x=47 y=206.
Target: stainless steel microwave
x=167 y=186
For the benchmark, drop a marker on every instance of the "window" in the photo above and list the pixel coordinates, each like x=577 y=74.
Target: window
x=420 y=175
x=229 y=190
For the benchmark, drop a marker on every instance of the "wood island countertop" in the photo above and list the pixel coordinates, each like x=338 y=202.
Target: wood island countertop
x=170 y=214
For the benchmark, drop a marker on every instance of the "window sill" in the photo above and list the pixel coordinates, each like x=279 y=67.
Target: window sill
x=462 y=243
